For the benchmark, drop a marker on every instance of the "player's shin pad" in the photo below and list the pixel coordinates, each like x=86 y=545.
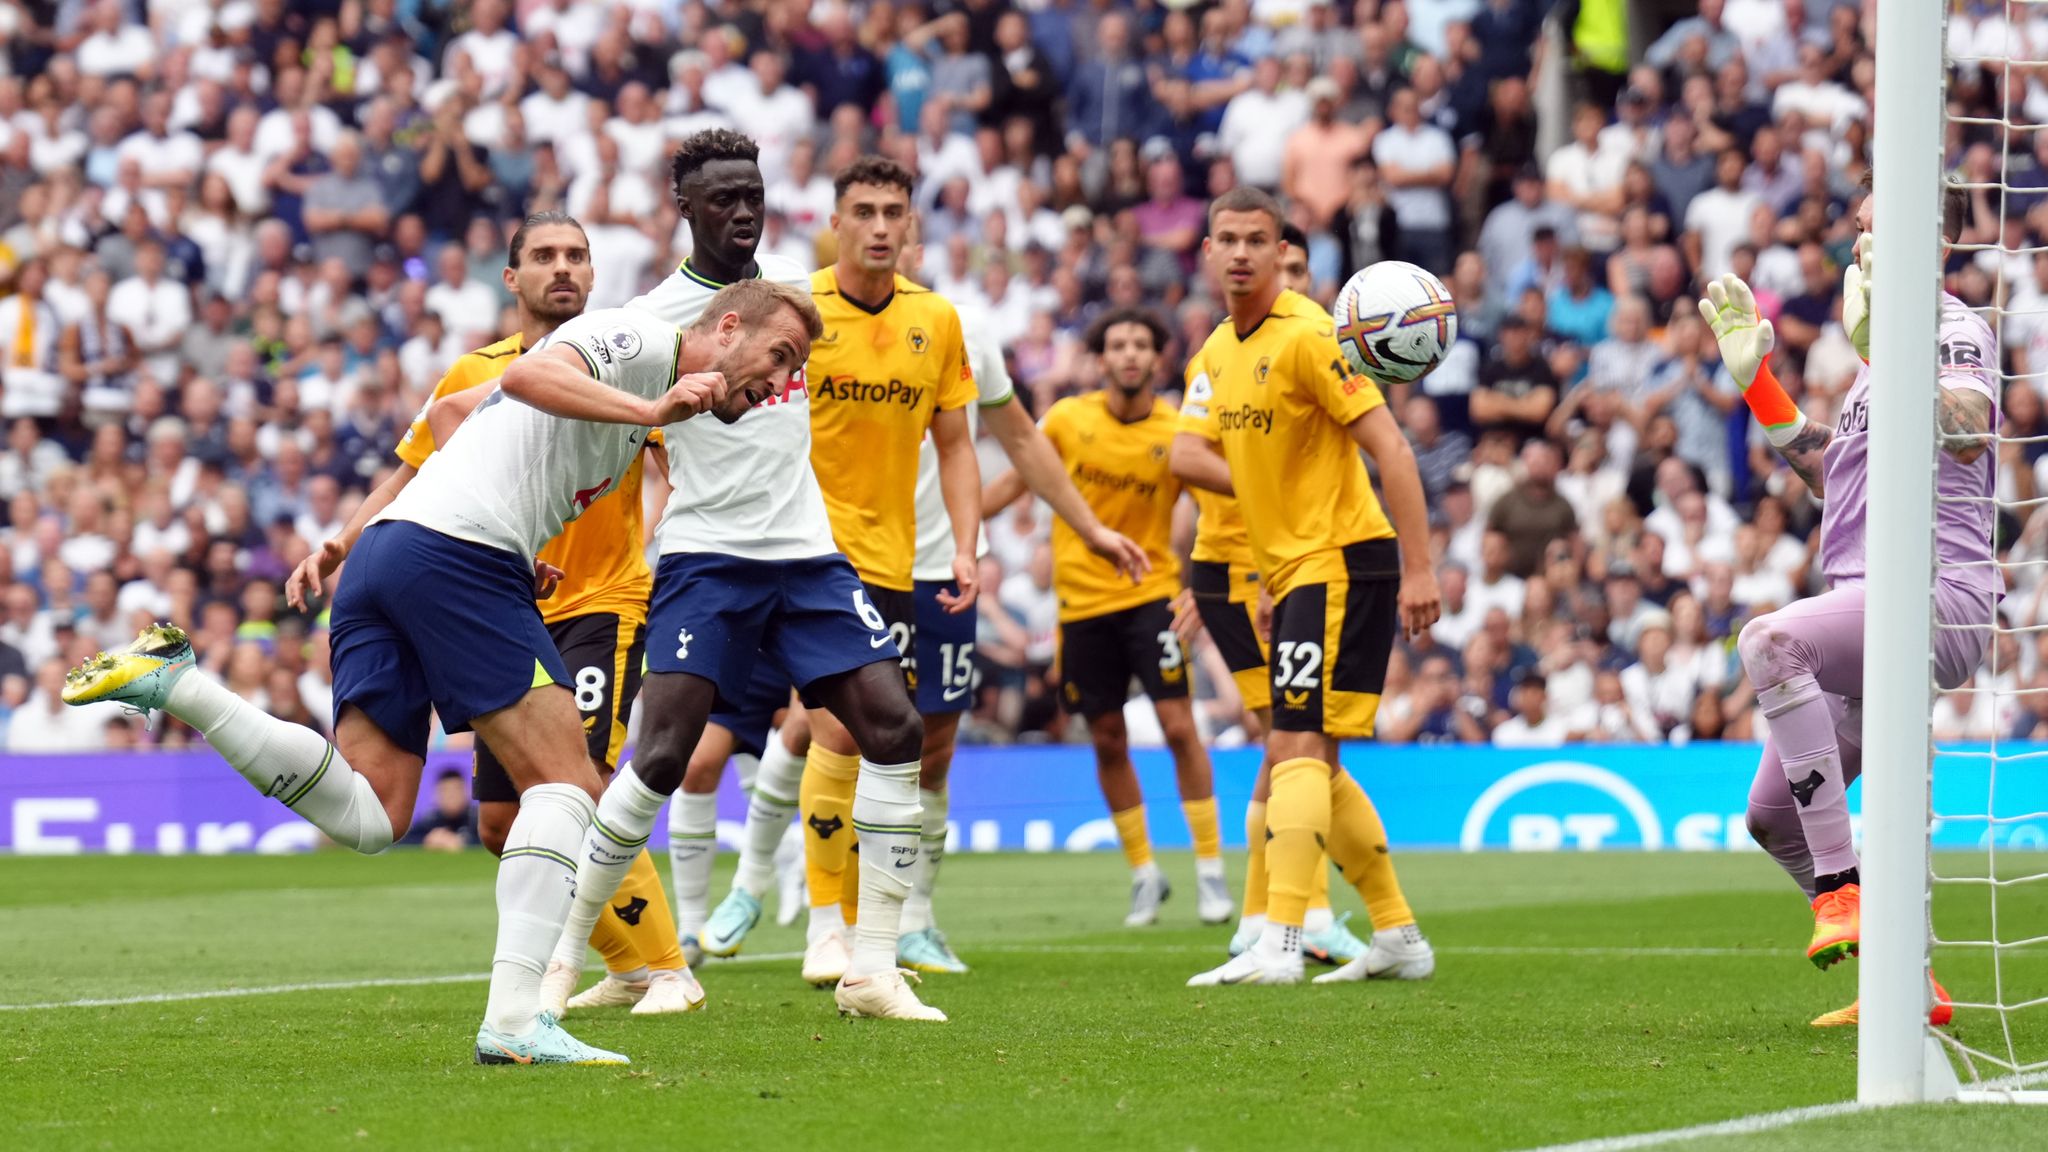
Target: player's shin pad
x=773 y=801
x=532 y=899
x=1358 y=843
x=827 y=812
x=624 y=820
x=1298 y=816
x=886 y=815
x=692 y=845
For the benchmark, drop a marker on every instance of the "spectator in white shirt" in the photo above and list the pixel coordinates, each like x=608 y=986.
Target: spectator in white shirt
x=116 y=46
x=1656 y=688
x=1416 y=162
x=1587 y=177
x=463 y=304
x=555 y=111
x=44 y=723
x=492 y=48
x=154 y=310
x=1460 y=617
x=1257 y=123
x=776 y=116
x=166 y=158
x=1717 y=220
x=1532 y=725
x=1496 y=586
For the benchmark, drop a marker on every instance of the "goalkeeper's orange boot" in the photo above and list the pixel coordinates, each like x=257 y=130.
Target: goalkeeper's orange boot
x=1837 y=925
x=1939 y=1015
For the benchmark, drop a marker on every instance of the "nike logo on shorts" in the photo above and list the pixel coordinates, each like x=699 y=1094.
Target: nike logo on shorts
x=952 y=694
x=877 y=641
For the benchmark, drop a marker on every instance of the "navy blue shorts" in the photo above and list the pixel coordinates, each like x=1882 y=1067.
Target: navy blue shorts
x=945 y=651
x=751 y=716
x=717 y=616
x=424 y=623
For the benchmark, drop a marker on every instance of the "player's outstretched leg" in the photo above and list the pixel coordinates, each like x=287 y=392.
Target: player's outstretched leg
x=288 y=761
x=1358 y=845
x=777 y=780
x=1796 y=657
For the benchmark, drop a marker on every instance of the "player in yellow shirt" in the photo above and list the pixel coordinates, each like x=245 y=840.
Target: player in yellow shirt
x=890 y=368
x=1114 y=443
x=1223 y=584
x=1279 y=425
x=596 y=614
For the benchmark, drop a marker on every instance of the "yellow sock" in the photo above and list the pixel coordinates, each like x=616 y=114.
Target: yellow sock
x=637 y=928
x=1255 y=858
x=1298 y=815
x=1319 y=892
x=825 y=805
x=1358 y=842
x=1205 y=827
x=1130 y=830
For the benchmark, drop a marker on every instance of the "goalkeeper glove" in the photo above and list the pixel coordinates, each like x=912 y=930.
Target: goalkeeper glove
x=1856 y=298
x=1746 y=341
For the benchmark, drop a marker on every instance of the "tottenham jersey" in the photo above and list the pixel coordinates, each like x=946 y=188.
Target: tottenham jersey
x=516 y=474
x=934 y=527
x=743 y=489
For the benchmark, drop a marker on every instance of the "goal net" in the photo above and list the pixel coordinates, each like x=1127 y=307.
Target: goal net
x=1956 y=812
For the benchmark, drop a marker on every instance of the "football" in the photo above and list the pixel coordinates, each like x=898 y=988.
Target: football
x=1395 y=321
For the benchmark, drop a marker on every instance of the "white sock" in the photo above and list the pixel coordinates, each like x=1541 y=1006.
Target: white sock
x=769 y=811
x=533 y=897
x=290 y=762
x=917 y=909
x=1280 y=942
x=1207 y=867
x=625 y=818
x=886 y=819
x=692 y=843
x=1317 y=920
x=748 y=766
x=1149 y=870
x=1254 y=924
x=825 y=921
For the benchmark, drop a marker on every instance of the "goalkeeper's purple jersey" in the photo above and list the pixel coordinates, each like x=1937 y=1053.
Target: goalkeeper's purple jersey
x=1962 y=530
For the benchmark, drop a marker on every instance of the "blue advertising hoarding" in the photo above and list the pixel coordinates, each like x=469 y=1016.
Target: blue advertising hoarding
x=1044 y=799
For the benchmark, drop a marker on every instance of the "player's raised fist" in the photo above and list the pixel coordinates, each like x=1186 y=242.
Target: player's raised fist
x=689 y=396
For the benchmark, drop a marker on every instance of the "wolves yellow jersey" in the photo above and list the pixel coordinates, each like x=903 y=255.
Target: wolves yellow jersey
x=1277 y=403
x=603 y=562
x=876 y=378
x=1121 y=470
x=1220 y=536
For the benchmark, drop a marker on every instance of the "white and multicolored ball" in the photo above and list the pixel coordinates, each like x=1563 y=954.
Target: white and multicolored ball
x=1395 y=321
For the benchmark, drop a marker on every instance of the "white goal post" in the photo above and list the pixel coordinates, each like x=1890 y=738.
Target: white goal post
x=1899 y=1058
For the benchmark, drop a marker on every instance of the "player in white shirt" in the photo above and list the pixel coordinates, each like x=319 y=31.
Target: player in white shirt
x=749 y=571
x=562 y=427
x=941 y=640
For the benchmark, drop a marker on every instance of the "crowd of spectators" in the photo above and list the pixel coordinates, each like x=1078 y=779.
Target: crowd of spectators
x=241 y=239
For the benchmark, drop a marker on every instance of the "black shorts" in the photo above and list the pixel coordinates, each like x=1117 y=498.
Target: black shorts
x=1331 y=643
x=603 y=654
x=1227 y=602
x=1100 y=655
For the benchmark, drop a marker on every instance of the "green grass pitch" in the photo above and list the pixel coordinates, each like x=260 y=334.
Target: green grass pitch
x=1577 y=997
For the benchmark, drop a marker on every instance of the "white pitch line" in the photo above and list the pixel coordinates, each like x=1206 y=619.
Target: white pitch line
x=1740 y=1126
x=323 y=986
x=775 y=957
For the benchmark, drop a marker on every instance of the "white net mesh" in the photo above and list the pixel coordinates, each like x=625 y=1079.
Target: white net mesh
x=1989 y=875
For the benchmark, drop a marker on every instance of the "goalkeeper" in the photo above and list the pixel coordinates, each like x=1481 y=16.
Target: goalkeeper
x=1806 y=659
